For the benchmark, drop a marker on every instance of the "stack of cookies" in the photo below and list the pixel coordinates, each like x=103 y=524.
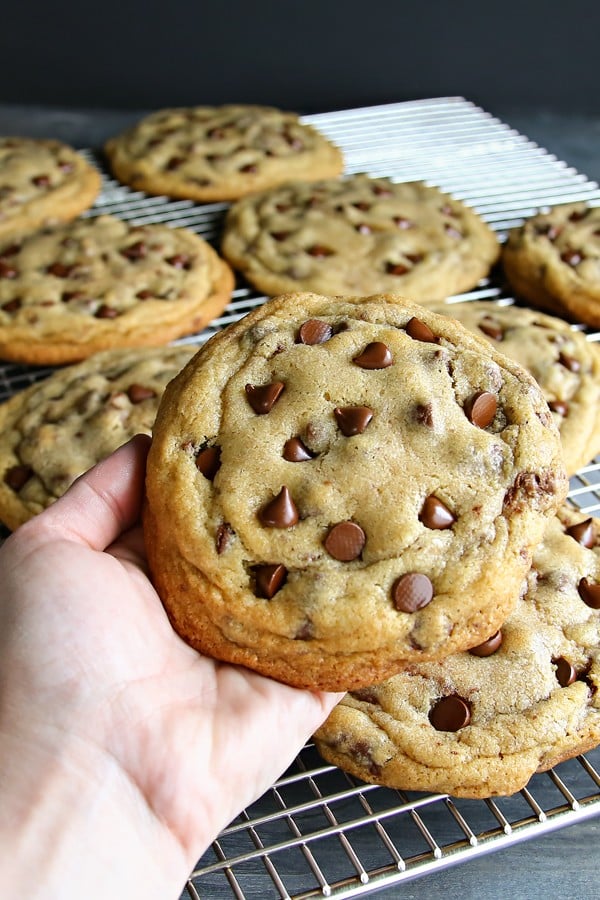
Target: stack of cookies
x=347 y=490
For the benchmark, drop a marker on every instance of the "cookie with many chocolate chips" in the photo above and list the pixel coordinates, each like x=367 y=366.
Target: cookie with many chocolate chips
x=100 y=283
x=482 y=722
x=563 y=362
x=553 y=261
x=359 y=235
x=42 y=183
x=339 y=487
x=220 y=153
x=53 y=431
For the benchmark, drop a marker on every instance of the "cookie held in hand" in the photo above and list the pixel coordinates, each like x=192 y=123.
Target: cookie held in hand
x=338 y=488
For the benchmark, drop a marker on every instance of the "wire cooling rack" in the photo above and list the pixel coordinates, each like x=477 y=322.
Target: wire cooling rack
x=319 y=832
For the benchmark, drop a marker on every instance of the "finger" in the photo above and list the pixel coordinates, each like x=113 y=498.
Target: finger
x=105 y=501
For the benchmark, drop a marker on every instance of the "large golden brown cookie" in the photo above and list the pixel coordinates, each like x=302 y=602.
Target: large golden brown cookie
x=100 y=283
x=340 y=487
x=42 y=183
x=553 y=261
x=563 y=362
x=220 y=153
x=359 y=235
x=55 y=430
x=481 y=723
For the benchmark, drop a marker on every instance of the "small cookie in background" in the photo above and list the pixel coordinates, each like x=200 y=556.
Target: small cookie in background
x=53 y=431
x=563 y=362
x=553 y=261
x=42 y=183
x=100 y=283
x=339 y=487
x=207 y=153
x=359 y=235
x=481 y=723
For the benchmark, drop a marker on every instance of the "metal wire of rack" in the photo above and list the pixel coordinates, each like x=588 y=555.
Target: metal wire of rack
x=319 y=832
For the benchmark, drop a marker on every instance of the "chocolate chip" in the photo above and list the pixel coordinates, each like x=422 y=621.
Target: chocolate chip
x=306 y=631
x=571 y=257
x=492 y=328
x=280 y=235
x=208 y=461
x=263 y=397
x=249 y=169
x=569 y=362
x=12 y=250
x=66 y=296
x=450 y=713
x=583 y=533
x=411 y=592
x=381 y=190
x=424 y=414
x=402 y=222
x=137 y=393
x=174 y=163
x=435 y=514
x=578 y=214
x=419 y=331
x=42 y=181
x=224 y=537
x=144 y=294
x=139 y=250
x=375 y=356
x=363 y=228
x=481 y=408
x=565 y=673
x=60 y=270
x=180 y=261
x=352 y=420
x=561 y=407
x=486 y=648
x=295 y=450
x=314 y=331
x=269 y=579
x=396 y=268
x=12 y=305
x=106 y=312
x=345 y=541
x=280 y=512
x=7 y=271
x=319 y=250
x=589 y=592
x=453 y=232
x=17 y=476
x=547 y=229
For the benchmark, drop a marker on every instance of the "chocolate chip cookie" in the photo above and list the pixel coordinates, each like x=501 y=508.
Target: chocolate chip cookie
x=42 y=182
x=55 y=430
x=359 y=235
x=563 y=362
x=553 y=261
x=482 y=722
x=99 y=283
x=340 y=487
x=220 y=153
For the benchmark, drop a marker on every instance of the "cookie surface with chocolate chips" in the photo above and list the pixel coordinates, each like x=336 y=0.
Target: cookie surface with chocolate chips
x=327 y=504
x=553 y=261
x=42 y=183
x=359 y=235
x=563 y=362
x=100 y=283
x=220 y=153
x=53 y=431
x=482 y=722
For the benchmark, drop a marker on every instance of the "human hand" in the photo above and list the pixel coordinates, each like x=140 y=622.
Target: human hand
x=121 y=748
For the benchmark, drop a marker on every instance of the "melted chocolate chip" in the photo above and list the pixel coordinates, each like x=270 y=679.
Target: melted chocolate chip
x=280 y=512
x=375 y=356
x=224 y=537
x=435 y=514
x=12 y=305
x=450 y=713
x=269 y=579
x=345 y=541
x=60 y=270
x=305 y=632
x=295 y=450
x=208 y=461
x=319 y=250
x=314 y=331
x=263 y=397
x=565 y=673
x=352 y=420
x=487 y=648
x=589 y=592
x=481 y=408
x=396 y=268
x=572 y=257
x=561 y=407
x=402 y=222
x=419 y=331
x=583 y=533
x=139 y=250
x=17 y=476
x=411 y=592
x=424 y=414
x=492 y=328
x=137 y=393
x=7 y=271
x=42 y=181
x=180 y=261
x=569 y=362
x=106 y=312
